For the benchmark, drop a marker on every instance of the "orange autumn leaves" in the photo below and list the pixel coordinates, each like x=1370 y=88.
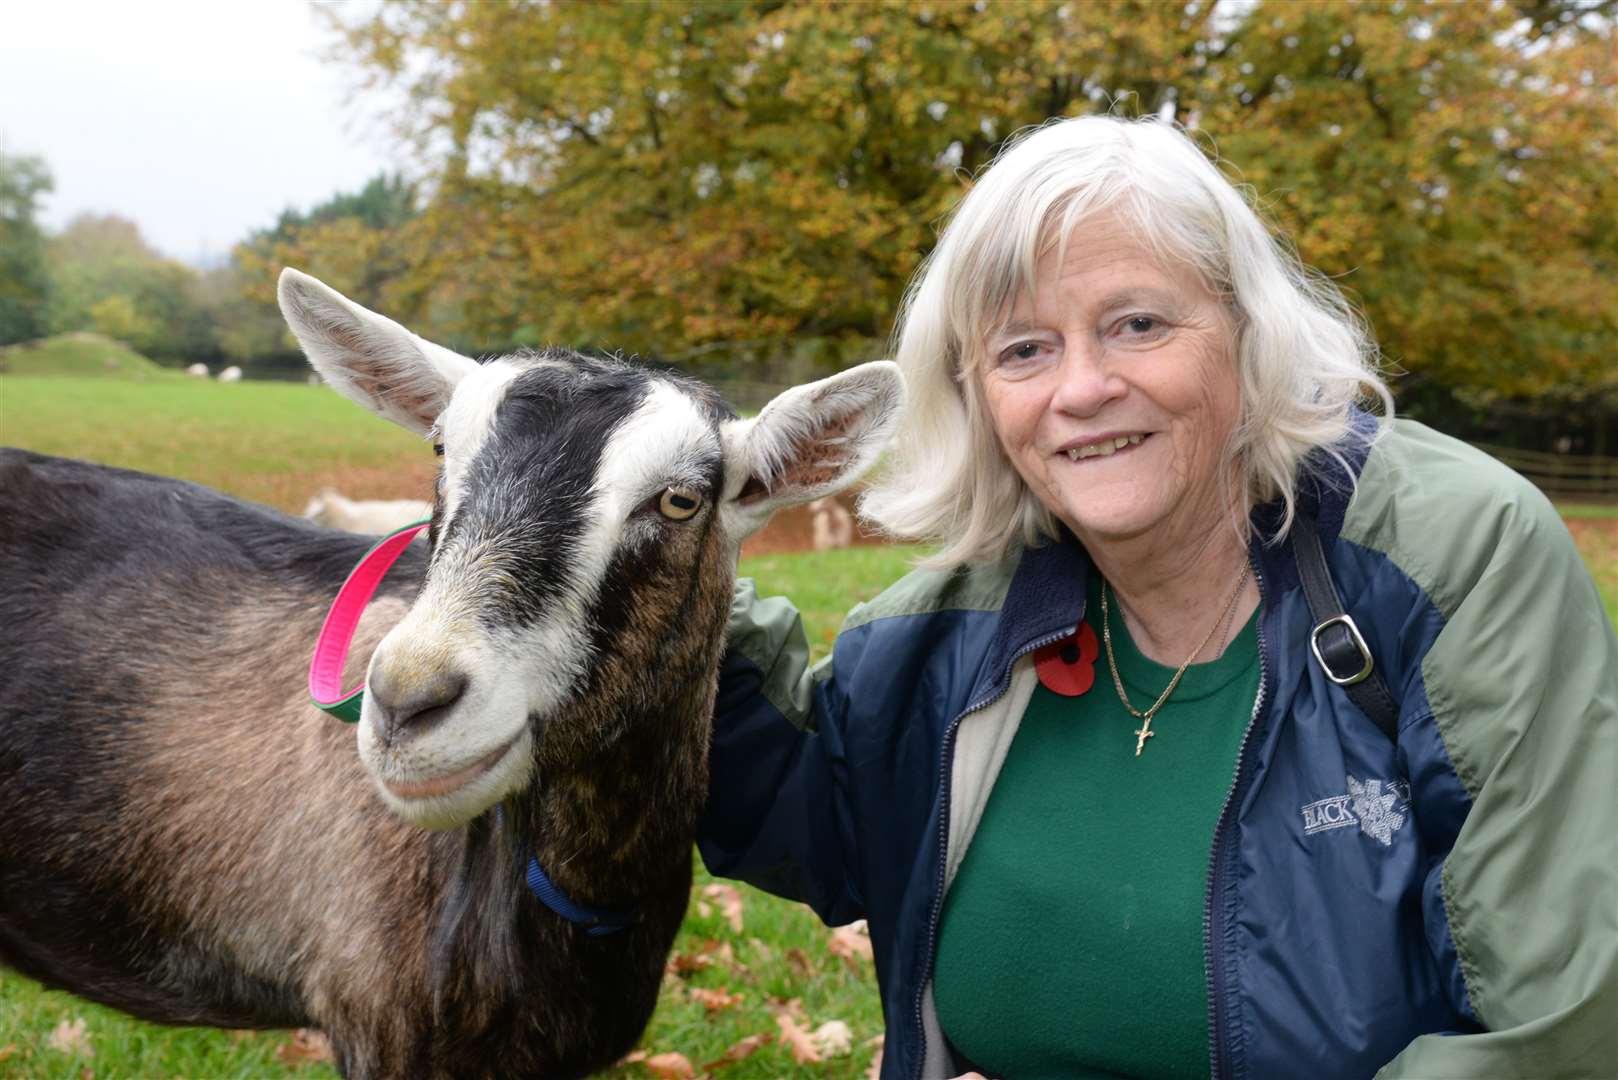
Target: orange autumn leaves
x=757 y=990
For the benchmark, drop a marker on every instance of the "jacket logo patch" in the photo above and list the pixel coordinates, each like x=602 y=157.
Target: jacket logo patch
x=1379 y=808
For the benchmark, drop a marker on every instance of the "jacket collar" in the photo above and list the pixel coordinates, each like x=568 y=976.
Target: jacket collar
x=1044 y=602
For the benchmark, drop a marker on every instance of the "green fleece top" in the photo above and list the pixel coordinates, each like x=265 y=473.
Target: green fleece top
x=1071 y=943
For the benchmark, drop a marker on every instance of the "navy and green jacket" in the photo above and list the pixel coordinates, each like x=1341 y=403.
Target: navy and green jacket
x=1443 y=906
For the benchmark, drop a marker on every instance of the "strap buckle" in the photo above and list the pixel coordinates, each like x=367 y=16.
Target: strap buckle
x=1340 y=652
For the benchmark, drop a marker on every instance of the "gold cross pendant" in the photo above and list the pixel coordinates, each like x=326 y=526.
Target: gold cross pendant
x=1143 y=733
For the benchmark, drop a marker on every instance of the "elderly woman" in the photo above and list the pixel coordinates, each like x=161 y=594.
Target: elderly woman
x=1108 y=781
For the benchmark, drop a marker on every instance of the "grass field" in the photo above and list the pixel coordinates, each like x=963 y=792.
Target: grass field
x=82 y=354
x=275 y=443
x=743 y=960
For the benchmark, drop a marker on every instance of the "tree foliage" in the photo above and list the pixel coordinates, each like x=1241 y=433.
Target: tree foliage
x=1453 y=165
x=105 y=277
x=669 y=177
x=24 y=277
x=355 y=241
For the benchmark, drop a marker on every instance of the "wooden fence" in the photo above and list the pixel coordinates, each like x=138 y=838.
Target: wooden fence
x=1563 y=477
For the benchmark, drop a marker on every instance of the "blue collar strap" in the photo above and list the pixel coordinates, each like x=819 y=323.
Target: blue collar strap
x=596 y=923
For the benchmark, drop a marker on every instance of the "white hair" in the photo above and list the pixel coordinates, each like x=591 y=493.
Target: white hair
x=1304 y=357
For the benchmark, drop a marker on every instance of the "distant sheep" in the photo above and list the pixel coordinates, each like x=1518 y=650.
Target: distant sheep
x=370 y=516
x=231 y=374
x=199 y=370
x=833 y=525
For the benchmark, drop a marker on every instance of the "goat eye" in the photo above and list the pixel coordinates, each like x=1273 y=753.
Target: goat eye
x=679 y=503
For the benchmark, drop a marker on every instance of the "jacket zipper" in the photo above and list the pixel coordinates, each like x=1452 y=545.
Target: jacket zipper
x=946 y=764
x=1218 y=1064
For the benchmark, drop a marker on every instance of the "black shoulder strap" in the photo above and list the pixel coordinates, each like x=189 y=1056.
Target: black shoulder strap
x=1335 y=640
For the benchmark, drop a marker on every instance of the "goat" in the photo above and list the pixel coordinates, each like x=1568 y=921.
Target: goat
x=184 y=837
x=335 y=510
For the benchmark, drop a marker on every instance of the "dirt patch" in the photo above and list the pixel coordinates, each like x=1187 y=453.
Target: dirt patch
x=793 y=530
x=1593 y=531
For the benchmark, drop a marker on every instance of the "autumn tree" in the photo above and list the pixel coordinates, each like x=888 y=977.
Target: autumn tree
x=667 y=176
x=354 y=241
x=24 y=279
x=1452 y=165
x=106 y=277
x=675 y=177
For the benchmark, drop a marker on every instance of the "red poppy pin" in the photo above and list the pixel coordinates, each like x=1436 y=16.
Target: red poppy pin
x=1068 y=667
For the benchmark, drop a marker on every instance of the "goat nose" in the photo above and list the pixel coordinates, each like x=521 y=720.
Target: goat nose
x=411 y=704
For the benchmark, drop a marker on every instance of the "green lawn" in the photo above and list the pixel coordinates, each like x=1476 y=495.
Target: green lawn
x=82 y=354
x=274 y=443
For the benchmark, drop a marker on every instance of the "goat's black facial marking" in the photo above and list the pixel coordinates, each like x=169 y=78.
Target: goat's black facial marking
x=530 y=499
x=530 y=489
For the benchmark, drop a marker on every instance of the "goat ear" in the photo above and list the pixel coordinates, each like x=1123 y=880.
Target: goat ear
x=368 y=359
x=809 y=442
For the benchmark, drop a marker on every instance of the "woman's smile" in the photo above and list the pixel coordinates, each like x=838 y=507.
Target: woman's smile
x=1104 y=447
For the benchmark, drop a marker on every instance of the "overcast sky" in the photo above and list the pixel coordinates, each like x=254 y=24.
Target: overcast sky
x=198 y=119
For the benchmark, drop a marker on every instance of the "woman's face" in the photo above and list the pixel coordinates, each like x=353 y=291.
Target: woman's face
x=1113 y=390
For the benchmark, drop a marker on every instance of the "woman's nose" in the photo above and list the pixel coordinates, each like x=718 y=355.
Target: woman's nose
x=1085 y=381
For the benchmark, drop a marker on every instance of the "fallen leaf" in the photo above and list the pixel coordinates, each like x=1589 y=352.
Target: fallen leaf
x=874 y=1070
x=798 y=1040
x=792 y=1007
x=704 y=908
x=689 y=963
x=308 y=1046
x=729 y=899
x=87 y=1073
x=833 y=1038
x=714 y=1000
x=69 y=1037
x=669 y=1066
x=851 y=942
x=740 y=1051
x=7 y=1052
x=799 y=962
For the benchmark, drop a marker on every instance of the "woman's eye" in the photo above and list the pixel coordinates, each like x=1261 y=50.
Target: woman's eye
x=1142 y=327
x=679 y=503
x=1023 y=350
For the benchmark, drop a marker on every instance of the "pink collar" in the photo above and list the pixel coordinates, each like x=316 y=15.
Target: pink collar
x=337 y=633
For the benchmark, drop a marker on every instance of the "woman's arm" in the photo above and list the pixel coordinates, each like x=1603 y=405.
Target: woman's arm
x=1523 y=686
x=778 y=815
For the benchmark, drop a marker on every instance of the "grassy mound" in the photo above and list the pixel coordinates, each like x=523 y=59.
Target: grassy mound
x=80 y=354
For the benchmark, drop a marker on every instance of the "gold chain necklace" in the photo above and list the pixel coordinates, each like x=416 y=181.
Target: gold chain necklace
x=1145 y=731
